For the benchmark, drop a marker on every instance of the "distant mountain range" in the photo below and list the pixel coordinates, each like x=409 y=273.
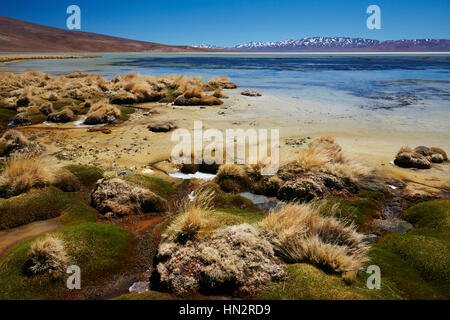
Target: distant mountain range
x=343 y=44
x=22 y=36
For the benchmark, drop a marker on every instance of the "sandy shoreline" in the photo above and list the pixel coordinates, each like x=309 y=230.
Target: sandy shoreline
x=364 y=134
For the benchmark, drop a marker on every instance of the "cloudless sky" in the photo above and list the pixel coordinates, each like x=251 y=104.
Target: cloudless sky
x=231 y=22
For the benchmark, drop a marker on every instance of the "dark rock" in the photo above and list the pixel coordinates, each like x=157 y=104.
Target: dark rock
x=392 y=225
x=251 y=93
x=165 y=126
x=115 y=198
x=262 y=202
x=370 y=238
x=411 y=159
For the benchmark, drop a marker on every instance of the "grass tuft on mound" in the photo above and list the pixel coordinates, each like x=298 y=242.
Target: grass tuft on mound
x=99 y=250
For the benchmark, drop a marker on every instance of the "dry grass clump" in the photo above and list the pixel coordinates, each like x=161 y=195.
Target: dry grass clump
x=62 y=116
x=219 y=83
x=22 y=118
x=20 y=91
x=232 y=178
x=194 y=97
x=210 y=101
x=47 y=256
x=219 y=94
x=145 y=92
x=300 y=234
x=262 y=184
x=102 y=112
x=11 y=141
x=235 y=260
x=325 y=155
x=194 y=92
x=123 y=97
x=23 y=173
x=195 y=219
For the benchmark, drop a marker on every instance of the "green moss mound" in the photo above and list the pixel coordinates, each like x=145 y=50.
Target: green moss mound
x=44 y=204
x=161 y=187
x=433 y=214
x=77 y=210
x=99 y=250
x=87 y=175
x=306 y=282
x=419 y=262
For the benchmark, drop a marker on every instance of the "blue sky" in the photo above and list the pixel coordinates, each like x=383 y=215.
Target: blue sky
x=232 y=22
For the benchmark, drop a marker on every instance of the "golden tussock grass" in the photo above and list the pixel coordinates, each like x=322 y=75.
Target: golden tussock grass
x=300 y=234
x=219 y=94
x=193 y=220
x=12 y=140
x=325 y=155
x=210 y=101
x=193 y=92
x=48 y=255
x=36 y=88
x=23 y=173
x=103 y=108
x=405 y=149
x=196 y=219
x=231 y=170
x=232 y=178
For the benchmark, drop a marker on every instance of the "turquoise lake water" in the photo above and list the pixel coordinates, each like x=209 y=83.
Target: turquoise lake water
x=374 y=82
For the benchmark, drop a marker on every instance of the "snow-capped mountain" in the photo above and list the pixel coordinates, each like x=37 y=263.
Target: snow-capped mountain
x=331 y=44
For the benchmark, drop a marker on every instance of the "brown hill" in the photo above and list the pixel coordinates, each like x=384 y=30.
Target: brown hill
x=22 y=36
